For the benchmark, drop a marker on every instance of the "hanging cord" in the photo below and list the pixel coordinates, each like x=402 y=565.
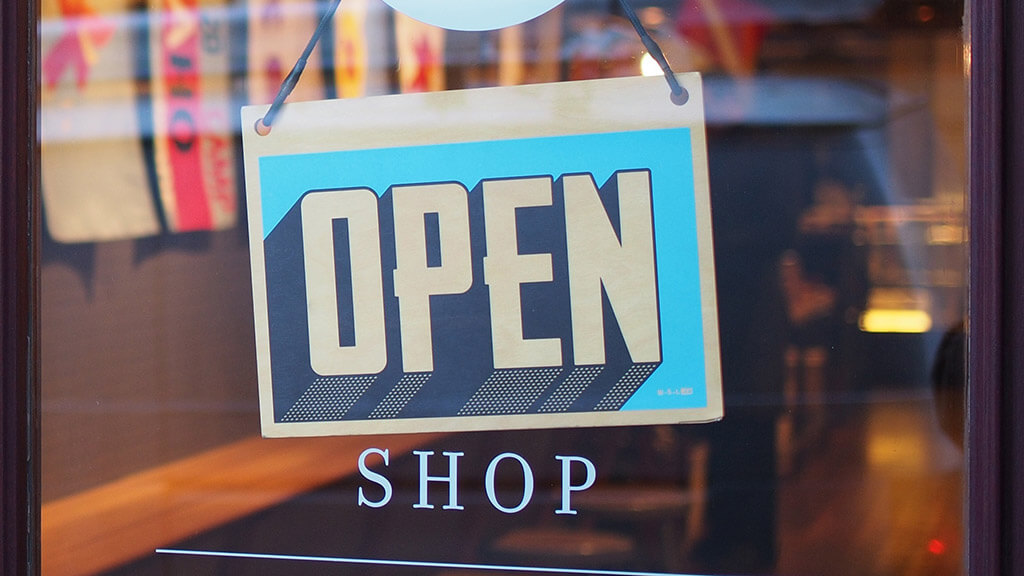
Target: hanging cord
x=679 y=94
x=263 y=125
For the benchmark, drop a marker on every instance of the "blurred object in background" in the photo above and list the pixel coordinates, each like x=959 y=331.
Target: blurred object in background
x=89 y=127
x=949 y=379
x=192 y=122
x=138 y=106
x=290 y=23
x=731 y=32
x=351 y=49
x=605 y=45
x=421 y=51
x=357 y=50
x=601 y=46
x=922 y=13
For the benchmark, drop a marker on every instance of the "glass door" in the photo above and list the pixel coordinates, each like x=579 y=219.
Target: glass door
x=837 y=168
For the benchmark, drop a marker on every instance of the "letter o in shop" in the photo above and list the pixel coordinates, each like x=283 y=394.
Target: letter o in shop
x=527 y=482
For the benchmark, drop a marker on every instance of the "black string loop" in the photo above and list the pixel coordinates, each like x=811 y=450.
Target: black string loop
x=263 y=125
x=679 y=94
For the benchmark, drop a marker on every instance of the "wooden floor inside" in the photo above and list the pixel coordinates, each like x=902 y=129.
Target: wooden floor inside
x=881 y=493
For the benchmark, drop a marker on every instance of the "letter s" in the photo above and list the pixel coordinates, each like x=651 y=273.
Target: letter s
x=375 y=478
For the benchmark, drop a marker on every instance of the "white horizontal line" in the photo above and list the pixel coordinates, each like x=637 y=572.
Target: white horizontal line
x=383 y=562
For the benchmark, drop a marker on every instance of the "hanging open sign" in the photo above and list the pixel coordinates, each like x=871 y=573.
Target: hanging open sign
x=524 y=257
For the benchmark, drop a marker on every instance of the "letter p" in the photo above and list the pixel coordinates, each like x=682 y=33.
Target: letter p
x=567 y=486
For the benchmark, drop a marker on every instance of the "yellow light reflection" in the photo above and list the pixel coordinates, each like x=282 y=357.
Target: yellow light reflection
x=897 y=451
x=649 y=66
x=895 y=321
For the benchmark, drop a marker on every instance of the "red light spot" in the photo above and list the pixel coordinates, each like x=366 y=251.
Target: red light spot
x=936 y=547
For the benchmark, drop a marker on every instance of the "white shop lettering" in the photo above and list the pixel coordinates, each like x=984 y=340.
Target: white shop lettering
x=567 y=465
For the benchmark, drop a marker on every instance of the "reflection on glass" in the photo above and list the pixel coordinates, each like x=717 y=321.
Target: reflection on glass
x=836 y=155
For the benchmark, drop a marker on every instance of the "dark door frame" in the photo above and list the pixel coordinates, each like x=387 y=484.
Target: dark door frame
x=995 y=408
x=19 y=310
x=995 y=398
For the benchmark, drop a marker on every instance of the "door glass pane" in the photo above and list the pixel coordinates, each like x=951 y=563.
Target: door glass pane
x=836 y=160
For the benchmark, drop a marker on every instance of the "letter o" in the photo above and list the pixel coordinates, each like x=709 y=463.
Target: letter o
x=527 y=482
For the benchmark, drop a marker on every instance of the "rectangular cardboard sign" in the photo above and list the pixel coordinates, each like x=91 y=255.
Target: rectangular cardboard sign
x=521 y=257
